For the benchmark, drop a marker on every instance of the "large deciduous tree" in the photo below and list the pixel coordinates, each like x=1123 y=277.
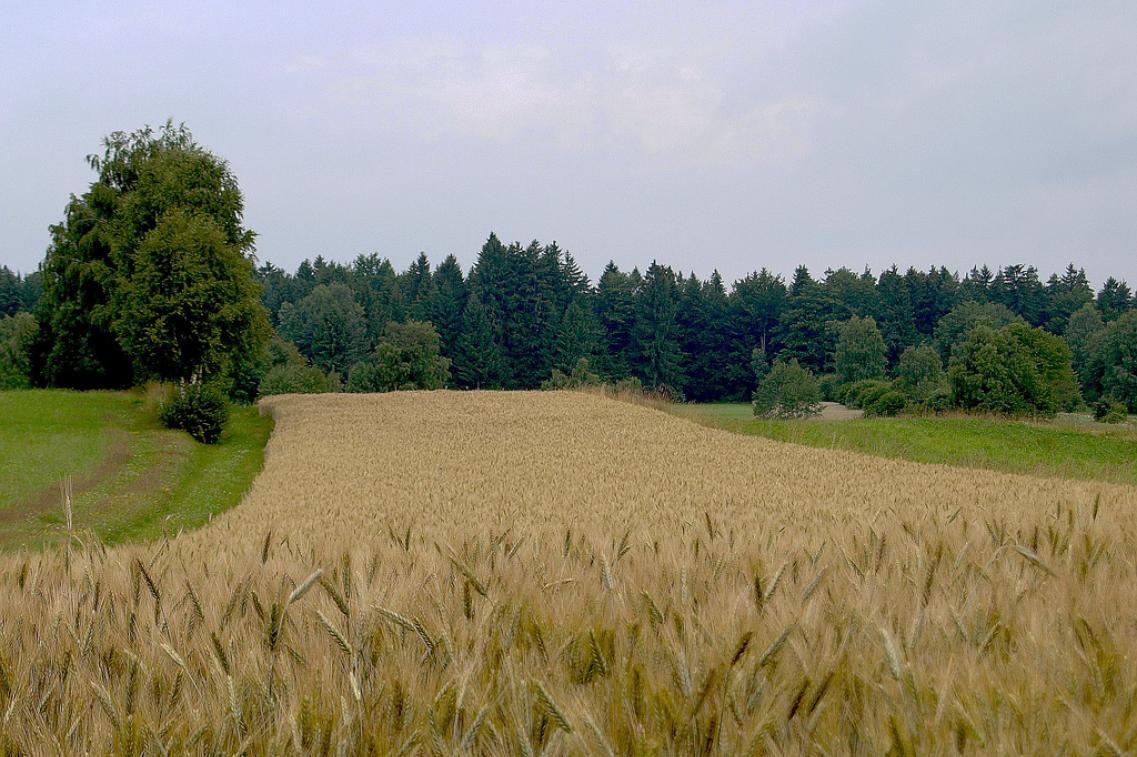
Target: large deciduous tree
x=150 y=274
x=1016 y=370
x=407 y=357
x=861 y=353
x=1113 y=366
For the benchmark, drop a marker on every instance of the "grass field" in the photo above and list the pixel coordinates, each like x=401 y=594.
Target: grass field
x=131 y=479
x=557 y=573
x=1063 y=449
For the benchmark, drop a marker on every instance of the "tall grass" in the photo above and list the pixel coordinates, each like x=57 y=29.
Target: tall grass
x=559 y=573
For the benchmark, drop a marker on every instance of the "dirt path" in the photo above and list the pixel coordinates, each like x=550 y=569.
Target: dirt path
x=834 y=411
x=49 y=498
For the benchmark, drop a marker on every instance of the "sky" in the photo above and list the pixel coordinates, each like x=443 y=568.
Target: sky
x=710 y=136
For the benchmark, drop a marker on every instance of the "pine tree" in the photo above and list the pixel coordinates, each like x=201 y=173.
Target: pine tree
x=1018 y=288
x=615 y=308
x=976 y=285
x=577 y=337
x=1064 y=296
x=658 y=357
x=448 y=299
x=1114 y=300
x=478 y=362
x=417 y=288
x=758 y=301
x=807 y=329
x=11 y=292
x=895 y=317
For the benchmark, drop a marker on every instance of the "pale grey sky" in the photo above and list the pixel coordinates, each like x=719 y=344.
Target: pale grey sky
x=707 y=135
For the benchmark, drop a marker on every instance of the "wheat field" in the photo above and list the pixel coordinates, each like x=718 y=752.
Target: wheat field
x=559 y=573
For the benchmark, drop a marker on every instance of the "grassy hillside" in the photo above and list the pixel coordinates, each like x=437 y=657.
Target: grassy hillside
x=130 y=478
x=1060 y=449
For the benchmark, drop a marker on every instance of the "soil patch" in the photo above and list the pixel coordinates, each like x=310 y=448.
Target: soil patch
x=49 y=498
x=834 y=411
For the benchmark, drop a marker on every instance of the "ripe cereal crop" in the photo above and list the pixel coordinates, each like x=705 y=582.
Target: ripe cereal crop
x=560 y=573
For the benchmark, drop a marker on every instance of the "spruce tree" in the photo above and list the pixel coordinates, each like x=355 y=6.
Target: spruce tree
x=807 y=329
x=1115 y=299
x=658 y=357
x=577 y=337
x=895 y=317
x=615 y=308
x=478 y=361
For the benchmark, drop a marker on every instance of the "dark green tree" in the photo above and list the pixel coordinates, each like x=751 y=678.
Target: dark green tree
x=658 y=357
x=409 y=356
x=1065 y=295
x=856 y=294
x=757 y=303
x=933 y=294
x=150 y=273
x=955 y=327
x=416 y=285
x=1017 y=287
x=976 y=285
x=896 y=318
x=1115 y=299
x=187 y=307
x=32 y=291
x=1113 y=367
x=448 y=299
x=807 y=330
x=507 y=282
x=478 y=361
x=615 y=307
x=328 y=327
x=375 y=286
x=17 y=334
x=1016 y=370
x=11 y=292
x=578 y=336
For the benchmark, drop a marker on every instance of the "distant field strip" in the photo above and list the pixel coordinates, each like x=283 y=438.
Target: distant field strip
x=518 y=573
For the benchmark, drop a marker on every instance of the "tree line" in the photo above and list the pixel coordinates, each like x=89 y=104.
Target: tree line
x=151 y=276
x=524 y=311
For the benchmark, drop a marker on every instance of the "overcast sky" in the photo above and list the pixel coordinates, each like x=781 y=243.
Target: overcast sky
x=710 y=135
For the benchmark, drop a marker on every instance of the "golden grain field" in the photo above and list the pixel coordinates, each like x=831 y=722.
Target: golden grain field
x=558 y=573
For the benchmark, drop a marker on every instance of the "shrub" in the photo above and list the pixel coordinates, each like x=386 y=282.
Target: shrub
x=887 y=403
x=1110 y=410
x=937 y=402
x=854 y=394
x=629 y=385
x=200 y=409
x=872 y=394
x=788 y=391
x=293 y=379
x=581 y=375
